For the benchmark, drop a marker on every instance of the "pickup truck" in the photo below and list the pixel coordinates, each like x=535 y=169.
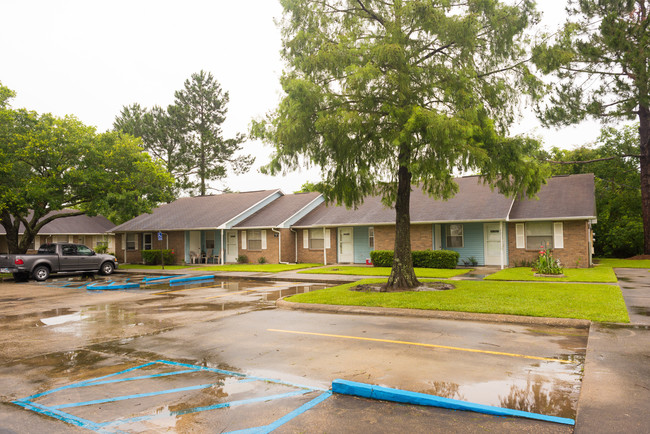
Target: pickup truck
x=57 y=258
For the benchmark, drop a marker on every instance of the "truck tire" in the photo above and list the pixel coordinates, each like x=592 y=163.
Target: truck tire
x=41 y=273
x=106 y=269
x=21 y=277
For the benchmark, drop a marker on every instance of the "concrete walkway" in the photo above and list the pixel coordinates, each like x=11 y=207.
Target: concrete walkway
x=615 y=395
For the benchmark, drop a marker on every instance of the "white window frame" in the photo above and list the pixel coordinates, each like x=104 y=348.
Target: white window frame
x=371 y=238
x=134 y=242
x=448 y=235
x=254 y=239
x=550 y=235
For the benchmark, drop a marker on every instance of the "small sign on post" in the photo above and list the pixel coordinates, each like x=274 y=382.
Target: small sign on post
x=162 y=256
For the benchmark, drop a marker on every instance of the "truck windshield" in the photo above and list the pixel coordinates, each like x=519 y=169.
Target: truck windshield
x=47 y=249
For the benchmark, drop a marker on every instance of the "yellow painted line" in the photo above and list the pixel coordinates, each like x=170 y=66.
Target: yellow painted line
x=469 y=350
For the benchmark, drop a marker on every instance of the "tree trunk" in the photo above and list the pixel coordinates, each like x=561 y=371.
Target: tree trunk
x=644 y=136
x=13 y=237
x=402 y=275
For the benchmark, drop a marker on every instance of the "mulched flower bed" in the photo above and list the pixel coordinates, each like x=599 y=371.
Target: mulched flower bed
x=429 y=286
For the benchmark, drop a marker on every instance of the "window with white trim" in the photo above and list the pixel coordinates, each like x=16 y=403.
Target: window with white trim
x=371 y=238
x=316 y=239
x=539 y=235
x=131 y=241
x=147 y=241
x=455 y=235
x=254 y=239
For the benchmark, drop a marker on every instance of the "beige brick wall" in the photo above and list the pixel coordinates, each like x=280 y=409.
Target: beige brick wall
x=421 y=237
x=316 y=255
x=575 y=253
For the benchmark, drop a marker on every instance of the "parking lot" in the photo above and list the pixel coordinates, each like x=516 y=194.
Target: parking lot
x=217 y=355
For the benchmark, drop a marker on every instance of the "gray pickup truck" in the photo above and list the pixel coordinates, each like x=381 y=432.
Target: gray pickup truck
x=57 y=258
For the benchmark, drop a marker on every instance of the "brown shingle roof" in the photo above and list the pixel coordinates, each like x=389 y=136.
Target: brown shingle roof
x=474 y=201
x=562 y=197
x=201 y=212
x=278 y=211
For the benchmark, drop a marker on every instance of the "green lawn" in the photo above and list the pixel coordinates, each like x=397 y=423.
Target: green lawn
x=600 y=273
x=583 y=301
x=152 y=267
x=623 y=263
x=384 y=271
x=260 y=268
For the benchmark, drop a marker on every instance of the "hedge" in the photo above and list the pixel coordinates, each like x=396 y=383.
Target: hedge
x=152 y=257
x=421 y=258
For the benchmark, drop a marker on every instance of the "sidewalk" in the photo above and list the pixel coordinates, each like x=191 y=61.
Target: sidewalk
x=615 y=394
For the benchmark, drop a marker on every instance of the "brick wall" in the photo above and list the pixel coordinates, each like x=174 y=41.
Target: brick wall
x=176 y=243
x=421 y=237
x=575 y=253
x=316 y=255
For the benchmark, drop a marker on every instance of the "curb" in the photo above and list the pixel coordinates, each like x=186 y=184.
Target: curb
x=438 y=314
x=370 y=391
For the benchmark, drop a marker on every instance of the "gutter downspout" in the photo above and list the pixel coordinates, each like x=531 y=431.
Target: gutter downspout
x=295 y=239
x=223 y=250
x=279 y=246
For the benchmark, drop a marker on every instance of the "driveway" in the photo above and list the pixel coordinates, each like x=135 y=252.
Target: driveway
x=615 y=393
x=220 y=357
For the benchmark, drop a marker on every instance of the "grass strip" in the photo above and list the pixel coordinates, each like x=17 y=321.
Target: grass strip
x=623 y=263
x=385 y=271
x=600 y=273
x=602 y=303
x=259 y=268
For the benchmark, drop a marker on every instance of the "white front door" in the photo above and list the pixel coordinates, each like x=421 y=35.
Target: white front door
x=492 y=243
x=346 y=245
x=232 y=250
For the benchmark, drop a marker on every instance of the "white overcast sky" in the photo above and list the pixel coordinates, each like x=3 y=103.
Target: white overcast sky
x=89 y=58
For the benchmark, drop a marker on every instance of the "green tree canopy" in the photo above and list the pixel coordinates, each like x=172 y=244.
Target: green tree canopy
x=601 y=58
x=188 y=135
x=383 y=95
x=49 y=163
x=619 y=230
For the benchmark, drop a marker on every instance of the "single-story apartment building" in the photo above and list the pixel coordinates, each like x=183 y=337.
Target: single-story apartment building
x=480 y=223
x=80 y=229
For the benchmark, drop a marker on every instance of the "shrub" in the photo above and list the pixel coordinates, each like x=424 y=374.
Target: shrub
x=546 y=264
x=242 y=259
x=382 y=258
x=101 y=248
x=262 y=260
x=421 y=258
x=152 y=257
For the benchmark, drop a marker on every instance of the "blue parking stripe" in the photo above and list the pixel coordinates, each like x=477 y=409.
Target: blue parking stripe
x=206 y=408
x=65 y=417
x=250 y=377
x=297 y=412
x=142 y=377
x=74 y=385
x=139 y=395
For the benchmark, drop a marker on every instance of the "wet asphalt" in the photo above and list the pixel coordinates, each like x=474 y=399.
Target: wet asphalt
x=59 y=333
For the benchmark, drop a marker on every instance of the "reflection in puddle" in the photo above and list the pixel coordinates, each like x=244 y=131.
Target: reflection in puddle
x=535 y=394
x=62 y=319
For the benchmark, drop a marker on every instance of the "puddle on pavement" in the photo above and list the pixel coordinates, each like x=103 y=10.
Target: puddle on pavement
x=533 y=394
x=640 y=310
